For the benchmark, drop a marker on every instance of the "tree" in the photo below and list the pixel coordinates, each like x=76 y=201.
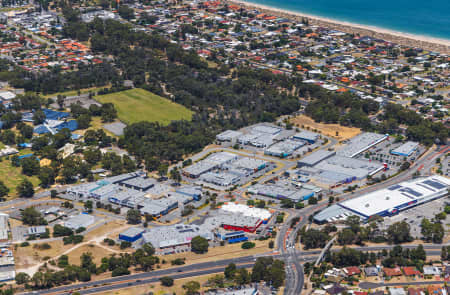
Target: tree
x=84 y=121
x=312 y=201
x=38 y=117
x=134 y=216
x=46 y=176
x=31 y=216
x=229 y=271
x=126 y=12
x=314 y=238
x=88 y=205
x=61 y=231
x=399 y=232
x=166 y=281
x=191 y=287
x=30 y=166
x=199 y=245
x=25 y=189
x=22 y=278
x=60 y=101
x=4 y=190
x=242 y=277
x=432 y=232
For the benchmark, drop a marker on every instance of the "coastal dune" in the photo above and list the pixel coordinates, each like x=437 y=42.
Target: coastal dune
x=428 y=43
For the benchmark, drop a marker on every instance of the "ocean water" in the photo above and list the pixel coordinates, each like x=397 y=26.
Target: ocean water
x=422 y=17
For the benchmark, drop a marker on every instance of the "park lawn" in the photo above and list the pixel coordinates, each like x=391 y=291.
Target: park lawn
x=12 y=176
x=137 y=105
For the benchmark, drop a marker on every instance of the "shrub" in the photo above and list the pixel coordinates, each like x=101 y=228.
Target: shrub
x=247 y=245
x=166 y=281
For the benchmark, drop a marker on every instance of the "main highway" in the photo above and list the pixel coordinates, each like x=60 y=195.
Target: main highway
x=205 y=268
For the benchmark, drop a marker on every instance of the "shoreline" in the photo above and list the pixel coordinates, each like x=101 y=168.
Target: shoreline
x=405 y=39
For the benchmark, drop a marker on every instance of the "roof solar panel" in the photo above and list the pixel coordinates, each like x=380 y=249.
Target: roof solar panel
x=394 y=187
x=426 y=187
x=434 y=184
x=410 y=191
x=406 y=195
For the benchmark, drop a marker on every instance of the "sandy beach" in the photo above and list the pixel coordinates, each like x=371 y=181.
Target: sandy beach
x=406 y=39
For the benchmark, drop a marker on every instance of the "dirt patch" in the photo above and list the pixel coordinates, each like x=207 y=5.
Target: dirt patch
x=97 y=253
x=158 y=289
x=29 y=256
x=218 y=253
x=333 y=130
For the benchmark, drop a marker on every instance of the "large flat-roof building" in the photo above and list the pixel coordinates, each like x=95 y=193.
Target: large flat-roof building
x=174 y=238
x=283 y=148
x=220 y=178
x=212 y=162
x=228 y=135
x=81 y=220
x=282 y=192
x=361 y=143
x=315 y=157
x=4 y=227
x=308 y=136
x=348 y=169
x=405 y=149
x=389 y=201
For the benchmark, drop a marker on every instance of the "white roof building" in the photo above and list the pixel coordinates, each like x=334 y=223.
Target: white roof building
x=81 y=220
x=399 y=196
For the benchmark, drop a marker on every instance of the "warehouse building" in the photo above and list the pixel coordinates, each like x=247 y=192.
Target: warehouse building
x=174 y=238
x=139 y=183
x=266 y=129
x=131 y=234
x=314 y=158
x=36 y=230
x=308 y=136
x=245 y=210
x=234 y=222
x=361 y=143
x=344 y=169
x=284 y=148
x=81 y=220
x=233 y=237
x=228 y=135
x=220 y=178
x=127 y=197
x=158 y=208
x=212 y=162
x=251 y=164
x=238 y=217
x=405 y=149
x=4 y=227
x=192 y=191
x=103 y=192
x=283 y=192
x=389 y=201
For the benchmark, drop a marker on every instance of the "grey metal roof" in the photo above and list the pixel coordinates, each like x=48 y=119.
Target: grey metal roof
x=406 y=149
x=132 y=231
x=360 y=143
x=316 y=157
